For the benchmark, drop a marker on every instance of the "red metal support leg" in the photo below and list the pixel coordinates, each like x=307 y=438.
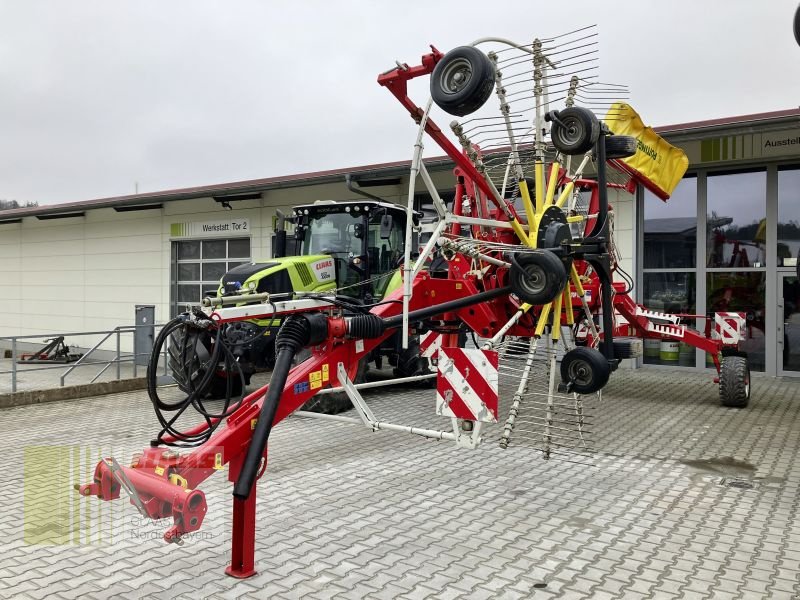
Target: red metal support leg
x=243 y=535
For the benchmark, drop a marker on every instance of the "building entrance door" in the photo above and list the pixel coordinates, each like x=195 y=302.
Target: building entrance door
x=788 y=324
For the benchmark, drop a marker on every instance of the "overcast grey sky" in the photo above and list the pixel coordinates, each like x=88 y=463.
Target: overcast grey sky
x=96 y=95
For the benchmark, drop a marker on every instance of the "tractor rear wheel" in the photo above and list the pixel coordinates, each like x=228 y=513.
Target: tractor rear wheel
x=218 y=388
x=462 y=81
x=734 y=382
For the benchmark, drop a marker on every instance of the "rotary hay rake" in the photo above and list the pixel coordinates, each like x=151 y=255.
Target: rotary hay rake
x=529 y=271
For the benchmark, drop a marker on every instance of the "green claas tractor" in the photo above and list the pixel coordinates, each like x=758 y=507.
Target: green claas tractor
x=354 y=247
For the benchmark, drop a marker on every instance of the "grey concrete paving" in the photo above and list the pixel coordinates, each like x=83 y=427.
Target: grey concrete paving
x=681 y=499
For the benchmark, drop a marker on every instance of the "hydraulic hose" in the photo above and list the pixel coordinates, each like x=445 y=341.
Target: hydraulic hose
x=186 y=341
x=296 y=332
x=432 y=311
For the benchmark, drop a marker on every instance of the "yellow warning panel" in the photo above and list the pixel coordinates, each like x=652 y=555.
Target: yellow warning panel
x=315 y=385
x=315 y=376
x=218 y=465
x=326 y=375
x=657 y=164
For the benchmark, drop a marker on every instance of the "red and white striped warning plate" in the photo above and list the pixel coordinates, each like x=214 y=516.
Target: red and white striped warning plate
x=729 y=327
x=429 y=344
x=467 y=384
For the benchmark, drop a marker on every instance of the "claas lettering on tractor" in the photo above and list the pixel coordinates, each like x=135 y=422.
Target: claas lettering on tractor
x=530 y=268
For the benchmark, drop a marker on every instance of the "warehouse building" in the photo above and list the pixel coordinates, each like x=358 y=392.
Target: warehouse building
x=727 y=240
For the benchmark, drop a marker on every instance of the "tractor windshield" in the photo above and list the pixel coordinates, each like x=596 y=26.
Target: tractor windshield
x=333 y=233
x=365 y=246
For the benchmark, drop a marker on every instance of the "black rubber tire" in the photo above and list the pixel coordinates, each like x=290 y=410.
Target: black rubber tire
x=797 y=25
x=462 y=97
x=576 y=131
x=218 y=388
x=190 y=364
x=734 y=382
x=620 y=146
x=628 y=347
x=409 y=361
x=269 y=354
x=586 y=369
x=333 y=404
x=537 y=277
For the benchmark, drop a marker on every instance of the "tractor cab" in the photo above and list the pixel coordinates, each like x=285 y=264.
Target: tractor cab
x=365 y=240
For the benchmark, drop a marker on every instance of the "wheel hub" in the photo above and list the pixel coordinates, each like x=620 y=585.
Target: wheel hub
x=580 y=372
x=456 y=76
x=536 y=280
x=572 y=133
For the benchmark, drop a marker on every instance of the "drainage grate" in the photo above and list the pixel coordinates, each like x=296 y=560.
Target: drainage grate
x=741 y=484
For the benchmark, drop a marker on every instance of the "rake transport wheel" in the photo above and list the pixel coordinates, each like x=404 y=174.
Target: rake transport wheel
x=537 y=277
x=734 y=382
x=462 y=81
x=797 y=25
x=586 y=369
x=575 y=131
x=620 y=146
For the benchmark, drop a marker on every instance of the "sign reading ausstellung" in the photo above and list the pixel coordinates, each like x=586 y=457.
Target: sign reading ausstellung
x=746 y=146
x=220 y=228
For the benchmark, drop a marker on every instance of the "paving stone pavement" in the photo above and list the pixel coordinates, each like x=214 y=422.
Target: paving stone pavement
x=682 y=498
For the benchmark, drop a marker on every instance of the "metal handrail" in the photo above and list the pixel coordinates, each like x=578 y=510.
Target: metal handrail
x=87 y=354
x=118 y=358
x=122 y=328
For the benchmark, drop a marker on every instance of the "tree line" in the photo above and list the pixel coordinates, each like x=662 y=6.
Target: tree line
x=8 y=204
